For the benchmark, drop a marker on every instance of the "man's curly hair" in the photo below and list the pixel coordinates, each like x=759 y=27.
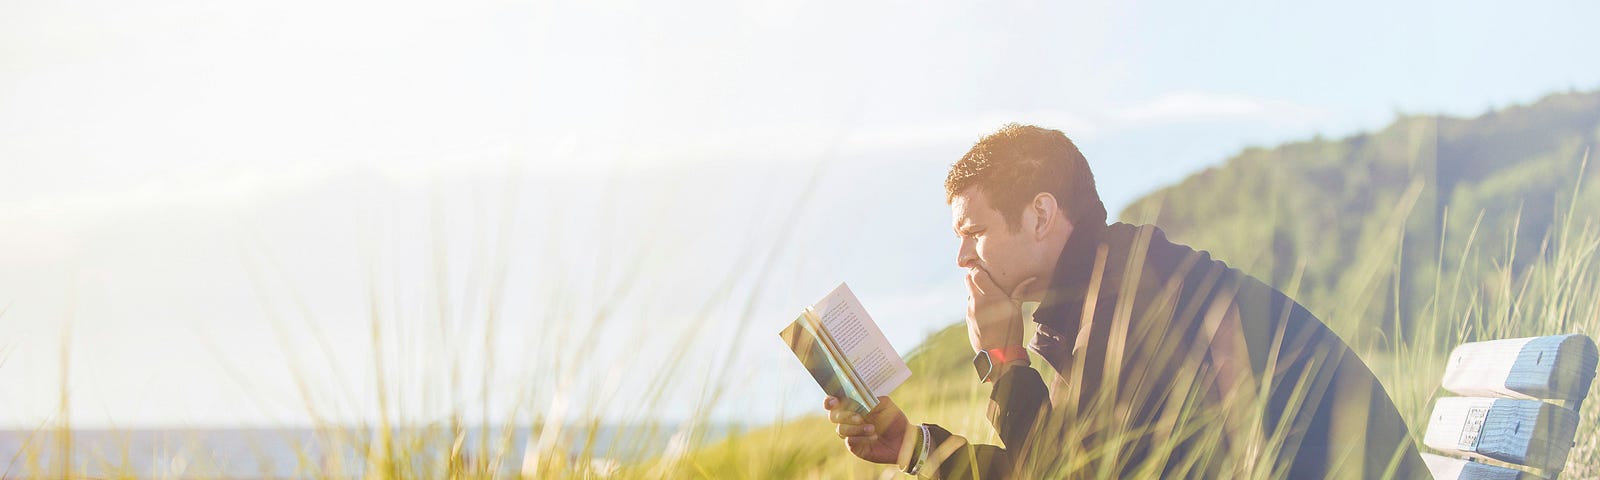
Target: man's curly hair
x=1015 y=163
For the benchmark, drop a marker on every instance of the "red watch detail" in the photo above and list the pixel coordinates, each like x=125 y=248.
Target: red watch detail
x=1008 y=354
x=988 y=362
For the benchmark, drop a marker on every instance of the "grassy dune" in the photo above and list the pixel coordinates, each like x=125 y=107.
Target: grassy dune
x=1410 y=269
x=1553 y=293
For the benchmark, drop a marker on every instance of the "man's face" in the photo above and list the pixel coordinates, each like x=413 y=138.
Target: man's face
x=990 y=244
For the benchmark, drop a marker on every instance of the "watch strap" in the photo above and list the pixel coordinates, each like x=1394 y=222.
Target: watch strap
x=1007 y=354
x=988 y=361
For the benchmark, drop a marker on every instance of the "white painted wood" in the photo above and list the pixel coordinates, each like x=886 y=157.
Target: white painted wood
x=1450 y=429
x=1557 y=368
x=1523 y=432
x=1502 y=416
x=1447 y=468
x=1443 y=468
x=1480 y=369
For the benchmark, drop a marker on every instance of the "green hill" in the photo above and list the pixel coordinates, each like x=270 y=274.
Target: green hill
x=1457 y=226
x=1322 y=217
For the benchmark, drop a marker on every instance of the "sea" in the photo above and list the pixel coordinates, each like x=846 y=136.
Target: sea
x=263 y=453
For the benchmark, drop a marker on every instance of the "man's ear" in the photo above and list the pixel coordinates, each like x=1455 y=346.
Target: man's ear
x=1045 y=209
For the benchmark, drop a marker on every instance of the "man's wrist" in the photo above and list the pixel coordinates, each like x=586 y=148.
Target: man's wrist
x=1011 y=348
x=993 y=363
x=919 y=450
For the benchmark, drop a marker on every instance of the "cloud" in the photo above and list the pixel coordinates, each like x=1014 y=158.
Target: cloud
x=789 y=142
x=969 y=129
x=185 y=189
x=1198 y=107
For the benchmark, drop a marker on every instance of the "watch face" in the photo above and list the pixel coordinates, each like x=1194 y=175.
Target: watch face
x=983 y=364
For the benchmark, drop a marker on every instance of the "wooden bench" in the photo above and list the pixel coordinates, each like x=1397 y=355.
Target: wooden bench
x=1520 y=407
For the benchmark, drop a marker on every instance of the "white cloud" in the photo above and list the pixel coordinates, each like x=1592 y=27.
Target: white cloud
x=180 y=190
x=967 y=130
x=1194 y=107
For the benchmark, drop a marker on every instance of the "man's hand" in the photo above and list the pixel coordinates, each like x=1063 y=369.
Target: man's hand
x=994 y=318
x=878 y=437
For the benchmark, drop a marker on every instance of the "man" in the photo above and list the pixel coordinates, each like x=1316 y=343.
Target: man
x=1166 y=362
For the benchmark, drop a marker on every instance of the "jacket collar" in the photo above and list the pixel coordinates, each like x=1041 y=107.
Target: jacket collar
x=1062 y=304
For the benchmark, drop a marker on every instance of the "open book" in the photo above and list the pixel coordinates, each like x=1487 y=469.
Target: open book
x=845 y=352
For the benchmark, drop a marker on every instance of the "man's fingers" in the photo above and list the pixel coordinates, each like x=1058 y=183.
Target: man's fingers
x=842 y=416
x=986 y=283
x=860 y=444
x=829 y=402
x=845 y=430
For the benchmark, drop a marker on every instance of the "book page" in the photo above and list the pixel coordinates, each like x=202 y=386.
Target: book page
x=812 y=350
x=861 y=342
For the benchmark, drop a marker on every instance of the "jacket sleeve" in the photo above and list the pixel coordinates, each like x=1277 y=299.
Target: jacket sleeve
x=1018 y=401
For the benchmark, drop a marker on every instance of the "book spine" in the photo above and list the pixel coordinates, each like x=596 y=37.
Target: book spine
x=853 y=379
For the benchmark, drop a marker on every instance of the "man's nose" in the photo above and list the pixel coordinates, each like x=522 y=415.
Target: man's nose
x=965 y=259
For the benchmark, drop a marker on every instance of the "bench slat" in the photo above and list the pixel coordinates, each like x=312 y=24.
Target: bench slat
x=1524 y=432
x=1557 y=367
x=1446 y=468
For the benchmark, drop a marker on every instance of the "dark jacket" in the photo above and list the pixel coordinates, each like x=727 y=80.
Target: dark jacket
x=1191 y=341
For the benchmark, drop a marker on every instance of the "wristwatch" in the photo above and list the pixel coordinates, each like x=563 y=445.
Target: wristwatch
x=987 y=362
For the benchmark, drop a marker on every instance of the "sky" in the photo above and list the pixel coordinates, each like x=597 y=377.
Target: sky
x=213 y=206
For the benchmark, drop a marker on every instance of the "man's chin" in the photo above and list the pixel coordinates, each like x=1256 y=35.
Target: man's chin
x=1031 y=297
x=1034 y=292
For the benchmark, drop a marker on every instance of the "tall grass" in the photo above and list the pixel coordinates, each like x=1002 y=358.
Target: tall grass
x=436 y=434
x=1553 y=293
